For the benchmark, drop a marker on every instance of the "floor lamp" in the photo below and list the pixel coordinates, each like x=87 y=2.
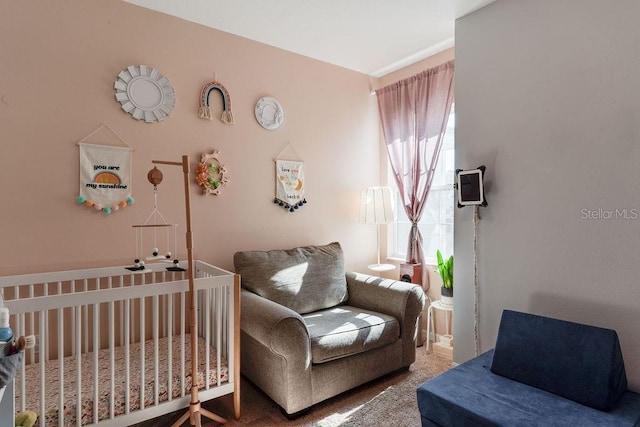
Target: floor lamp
x=195 y=412
x=376 y=207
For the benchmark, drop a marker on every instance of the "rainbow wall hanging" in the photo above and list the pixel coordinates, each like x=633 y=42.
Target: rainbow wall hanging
x=204 y=112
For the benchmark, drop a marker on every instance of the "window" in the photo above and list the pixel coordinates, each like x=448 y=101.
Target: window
x=436 y=224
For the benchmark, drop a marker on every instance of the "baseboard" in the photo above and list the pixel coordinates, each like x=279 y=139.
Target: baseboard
x=442 y=350
x=431 y=337
x=437 y=348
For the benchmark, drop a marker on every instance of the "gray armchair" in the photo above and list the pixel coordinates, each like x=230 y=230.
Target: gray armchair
x=310 y=331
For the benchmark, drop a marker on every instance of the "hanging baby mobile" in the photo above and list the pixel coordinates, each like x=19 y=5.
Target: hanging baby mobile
x=211 y=174
x=105 y=175
x=289 y=183
x=204 y=112
x=155 y=222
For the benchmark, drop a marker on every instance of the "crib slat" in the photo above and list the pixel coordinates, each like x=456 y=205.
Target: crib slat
x=96 y=363
x=156 y=370
x=121 y=303
x=21 y=330
x=170 y=347
x=227 y=312
x=182 y=344
x=32 y=319
x=218 y=312
x=78 y=366
x=112 y=364
x=207 y=335
x=72 y=313
x=43 y=377
x=215 y=326
x=143 y=317
x=60 y=362
x=44 y=330
x=85 y=320
x=163 y=303
x=127 y=358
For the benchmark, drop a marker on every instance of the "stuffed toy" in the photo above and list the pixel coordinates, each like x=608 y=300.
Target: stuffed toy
x=26 y=419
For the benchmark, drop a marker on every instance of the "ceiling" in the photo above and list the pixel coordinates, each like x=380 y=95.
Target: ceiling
x=374 y=37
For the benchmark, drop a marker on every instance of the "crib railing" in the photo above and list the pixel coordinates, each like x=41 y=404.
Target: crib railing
x=75 y=313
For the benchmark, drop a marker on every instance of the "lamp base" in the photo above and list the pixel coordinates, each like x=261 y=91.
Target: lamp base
x=381 y=267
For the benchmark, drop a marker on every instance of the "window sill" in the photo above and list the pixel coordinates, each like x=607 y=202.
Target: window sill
x=402 y=260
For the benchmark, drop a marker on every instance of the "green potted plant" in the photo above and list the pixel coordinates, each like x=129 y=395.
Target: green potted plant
x=445 y=268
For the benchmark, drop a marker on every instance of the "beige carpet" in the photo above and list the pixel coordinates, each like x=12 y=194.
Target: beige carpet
x=388 y=401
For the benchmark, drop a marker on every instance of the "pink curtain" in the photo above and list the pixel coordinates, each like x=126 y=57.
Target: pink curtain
x=414 y=114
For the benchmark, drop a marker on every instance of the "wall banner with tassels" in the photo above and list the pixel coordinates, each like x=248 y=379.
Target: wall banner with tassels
x=289 y=180
x=290 y=184
x=105 y=175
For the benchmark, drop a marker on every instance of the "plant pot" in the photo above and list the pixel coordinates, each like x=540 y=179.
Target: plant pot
x=446 y=296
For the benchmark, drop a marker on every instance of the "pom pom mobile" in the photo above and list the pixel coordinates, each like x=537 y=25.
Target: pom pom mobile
x=155 y=221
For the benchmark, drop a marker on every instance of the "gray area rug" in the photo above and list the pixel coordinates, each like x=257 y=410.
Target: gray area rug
x=388 y=401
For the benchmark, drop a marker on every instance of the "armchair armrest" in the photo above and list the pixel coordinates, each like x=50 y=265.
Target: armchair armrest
x=276 y=351
x=275 y=326
x=402 y=300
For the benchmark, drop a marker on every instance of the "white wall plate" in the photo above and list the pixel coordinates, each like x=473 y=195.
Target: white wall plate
x=269 y=113
x=145 y=93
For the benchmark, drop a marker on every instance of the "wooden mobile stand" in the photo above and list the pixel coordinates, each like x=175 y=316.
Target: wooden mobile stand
x=195 y=412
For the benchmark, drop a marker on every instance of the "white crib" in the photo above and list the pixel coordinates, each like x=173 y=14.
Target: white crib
x=113 y=346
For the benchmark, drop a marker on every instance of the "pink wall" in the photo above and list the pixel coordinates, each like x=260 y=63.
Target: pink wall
x=58 y=63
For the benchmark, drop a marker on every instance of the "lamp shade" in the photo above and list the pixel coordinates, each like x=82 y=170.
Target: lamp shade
x=376 y=206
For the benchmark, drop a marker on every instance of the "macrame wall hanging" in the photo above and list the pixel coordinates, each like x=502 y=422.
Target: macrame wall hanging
x=204 y=112
x=289 y=182
x=105 y=175
x=211 y=174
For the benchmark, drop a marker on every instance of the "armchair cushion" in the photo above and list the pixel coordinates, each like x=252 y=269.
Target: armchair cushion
x=304 y=279
x=344 y=330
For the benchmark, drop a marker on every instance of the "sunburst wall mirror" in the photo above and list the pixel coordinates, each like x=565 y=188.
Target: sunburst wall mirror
x=145 y=93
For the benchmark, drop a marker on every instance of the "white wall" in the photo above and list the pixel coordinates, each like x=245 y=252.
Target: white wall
x=548 y=98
